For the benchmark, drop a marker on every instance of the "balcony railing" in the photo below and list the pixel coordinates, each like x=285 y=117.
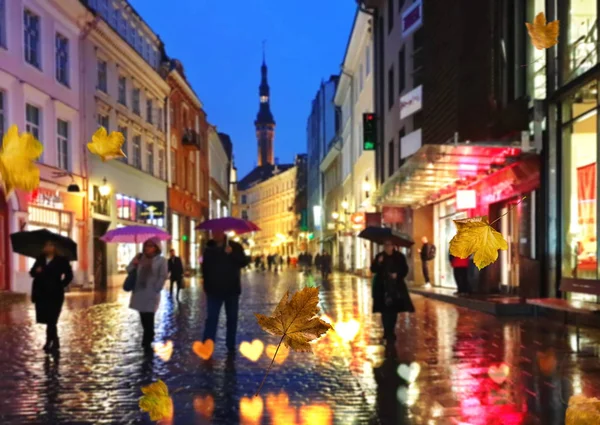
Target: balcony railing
x=191 y=138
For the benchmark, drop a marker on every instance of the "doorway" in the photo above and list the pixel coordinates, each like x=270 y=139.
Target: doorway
x=509 y=259
x=100 y=255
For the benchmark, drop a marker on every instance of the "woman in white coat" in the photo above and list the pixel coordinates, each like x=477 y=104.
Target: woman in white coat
x=151 y=275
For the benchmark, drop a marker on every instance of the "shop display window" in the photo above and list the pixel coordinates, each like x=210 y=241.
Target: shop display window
x=579 y=179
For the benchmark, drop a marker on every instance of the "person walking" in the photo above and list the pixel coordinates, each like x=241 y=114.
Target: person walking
x=223 y=262
x=427 y=253
x=460 y=270
x=390 y=294
x=325 y=265
x=152 y=271
x=175 y=268
x=51 y=274
x=318 y=261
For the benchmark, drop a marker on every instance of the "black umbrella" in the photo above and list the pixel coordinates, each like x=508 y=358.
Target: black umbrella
x=30 y=244
x=380 y=235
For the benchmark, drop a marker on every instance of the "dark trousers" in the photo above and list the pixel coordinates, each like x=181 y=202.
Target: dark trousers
x=389 y=318
x=213 y=307
x=178 y=281
x=148 y=327
x=51 y=333
x=425 y=268
x=461 y=276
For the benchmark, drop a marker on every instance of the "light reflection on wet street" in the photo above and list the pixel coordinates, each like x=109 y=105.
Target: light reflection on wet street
x=451 y=365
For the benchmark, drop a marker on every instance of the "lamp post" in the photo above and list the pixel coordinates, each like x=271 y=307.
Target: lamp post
x=104 y=190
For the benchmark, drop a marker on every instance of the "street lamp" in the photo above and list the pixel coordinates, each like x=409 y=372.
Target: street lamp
x=345 y=204
x=335 y=215
x=104 y=190
x=366 y=186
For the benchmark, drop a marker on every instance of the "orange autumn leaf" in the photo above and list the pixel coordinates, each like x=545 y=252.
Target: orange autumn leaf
x=156 y=401
x=543 y=35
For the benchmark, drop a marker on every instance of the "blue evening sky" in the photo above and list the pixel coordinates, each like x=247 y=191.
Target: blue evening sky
x=220 y=45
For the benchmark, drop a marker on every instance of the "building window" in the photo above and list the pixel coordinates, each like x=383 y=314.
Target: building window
x=149 y=110
x=391 y=158
x=135 y=101
x=137 y=151
x=124 y=147
x=2 y=115
x=62 y=59
x=391 y=92
x=123 y=90
x=401 y=71
x=174 y=179
x=190 y=176
x=33 y=120
x=244 y=199
x=161 y=164
x=579 y=188
x=62 y=138
x=401 y=135
x=390 y=15
x=2 y=23
x=102 y=76
x=31 y=25
x=582 y=29
x=368 y=60
x=103 y=121
x=418 y=57
x=150 y=157
x=159 y=119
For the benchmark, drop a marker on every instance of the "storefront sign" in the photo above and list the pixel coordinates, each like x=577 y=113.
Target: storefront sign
x=411 y=102
x=151 y=210
x=412 y=18
x=466 y=199
x=373 y=219
x=393 y=215
x=410 y=143
x=184 y=204
x=358 y=220
x=47 y=198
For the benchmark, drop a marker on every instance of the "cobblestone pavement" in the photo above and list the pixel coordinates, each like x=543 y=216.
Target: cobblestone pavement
x=465 y=367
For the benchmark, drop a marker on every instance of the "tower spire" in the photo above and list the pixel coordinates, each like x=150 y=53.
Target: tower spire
x=264 y=52
x=265 y=124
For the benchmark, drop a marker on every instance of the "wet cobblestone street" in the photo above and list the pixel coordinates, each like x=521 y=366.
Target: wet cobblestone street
x=451 y=366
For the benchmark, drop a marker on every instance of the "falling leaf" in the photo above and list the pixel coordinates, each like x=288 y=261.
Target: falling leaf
x=583 y=411
x=282 y=353
x=156 y=401
x=164 y=350
x=499 y=374
x=295 y=321
x=204 y=406
x=477 y=236
x=17 y=156
x=252 y=351
x=543 y=35
x=107 y=146
x=205 y=349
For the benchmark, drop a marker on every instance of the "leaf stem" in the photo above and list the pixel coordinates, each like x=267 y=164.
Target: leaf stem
x=270 y=366
x=509 y=210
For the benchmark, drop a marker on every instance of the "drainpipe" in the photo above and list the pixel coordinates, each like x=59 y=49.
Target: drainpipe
x=84 y=168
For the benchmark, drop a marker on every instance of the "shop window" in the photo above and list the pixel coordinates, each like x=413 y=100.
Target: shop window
x=100 y=204
x=580 y=139
x=126 y=207
x=582 y=37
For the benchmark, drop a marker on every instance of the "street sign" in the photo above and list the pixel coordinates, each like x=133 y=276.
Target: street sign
x=369 y=132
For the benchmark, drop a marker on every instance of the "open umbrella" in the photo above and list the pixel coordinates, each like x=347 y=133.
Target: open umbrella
x=135 y=234
x=228 y=224
x=30 y=244
x=380 y=235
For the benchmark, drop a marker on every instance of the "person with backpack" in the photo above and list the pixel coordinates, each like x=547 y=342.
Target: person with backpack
x=427 y=252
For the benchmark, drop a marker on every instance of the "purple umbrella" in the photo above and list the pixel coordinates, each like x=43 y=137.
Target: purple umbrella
x=228 y=224
x=135 y=234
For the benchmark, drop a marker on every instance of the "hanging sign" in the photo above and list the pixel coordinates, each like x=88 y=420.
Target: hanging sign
x=393 y=215
x=466 y=199
x=412 y=18
x=151 y=210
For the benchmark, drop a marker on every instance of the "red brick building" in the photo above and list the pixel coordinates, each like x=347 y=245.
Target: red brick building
x=188 y=166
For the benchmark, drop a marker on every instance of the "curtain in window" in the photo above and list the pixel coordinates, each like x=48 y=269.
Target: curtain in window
x=586 y=200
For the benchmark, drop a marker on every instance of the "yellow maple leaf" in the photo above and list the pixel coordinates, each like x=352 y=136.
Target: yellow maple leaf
x=477 y=236
x=582 y=411
x=295 y=321
x=107 y=146
x=156 y=401
x=17 y=156
x=543 y=35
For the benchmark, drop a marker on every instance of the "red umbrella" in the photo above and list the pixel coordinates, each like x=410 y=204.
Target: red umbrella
x=228 y=224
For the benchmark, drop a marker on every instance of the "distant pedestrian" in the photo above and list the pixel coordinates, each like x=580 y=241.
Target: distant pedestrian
x=152 y=270
x=223 y=262
x=427 y=253
x=289 y=261
x=51 y=275
x=325 y=265
x=175 y=272
x=390 y=294
x=460 y=270
x=318 y=261
x=270 y=262
x=281 y=262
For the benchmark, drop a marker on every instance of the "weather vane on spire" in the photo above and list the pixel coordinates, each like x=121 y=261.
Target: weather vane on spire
x=264 y=43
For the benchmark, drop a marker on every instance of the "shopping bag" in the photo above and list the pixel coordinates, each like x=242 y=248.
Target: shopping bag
x=130 y=280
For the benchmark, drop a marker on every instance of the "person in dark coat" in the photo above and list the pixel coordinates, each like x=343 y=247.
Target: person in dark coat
x=460 y=270
x=51 y=275
x=325 y=265
x=318 y=258
x=221 y=269
x=390 y=294
x=175 y=272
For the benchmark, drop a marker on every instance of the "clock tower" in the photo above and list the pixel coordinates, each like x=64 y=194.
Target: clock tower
x=265 y=124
